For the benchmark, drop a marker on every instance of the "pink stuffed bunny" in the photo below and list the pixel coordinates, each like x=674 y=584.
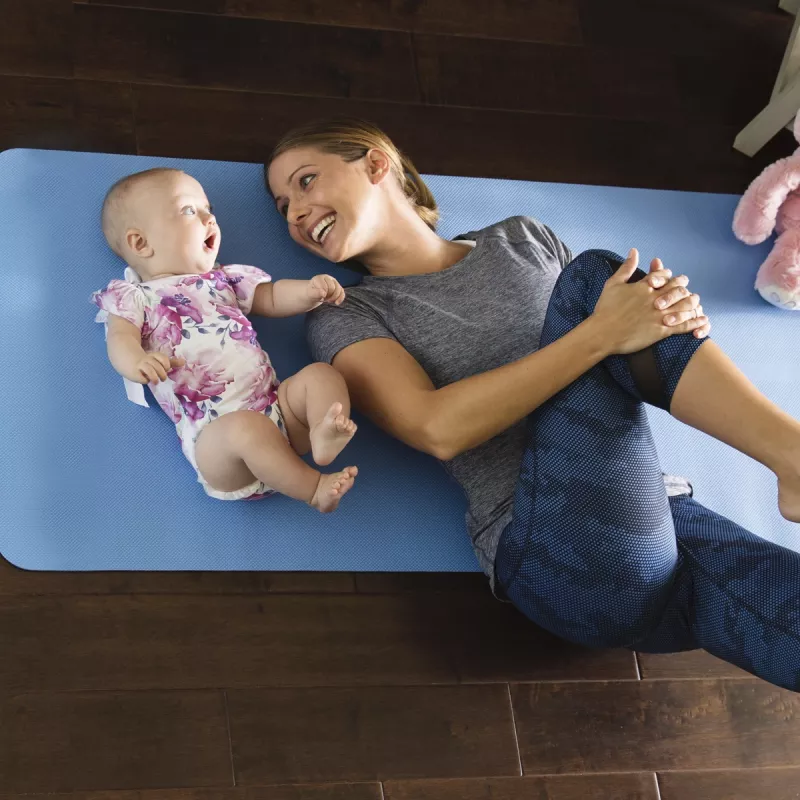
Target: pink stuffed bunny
x=772 y=202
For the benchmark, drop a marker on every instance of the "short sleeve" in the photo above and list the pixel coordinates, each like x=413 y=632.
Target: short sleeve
x=330 y=329
x=122 y=299
x=545 y=234
x=244 y=281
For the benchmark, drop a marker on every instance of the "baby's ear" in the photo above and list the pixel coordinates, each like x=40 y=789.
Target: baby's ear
x=137 y=243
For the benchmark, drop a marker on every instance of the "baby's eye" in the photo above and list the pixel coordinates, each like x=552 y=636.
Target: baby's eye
x=188 y=211
x=306 y=179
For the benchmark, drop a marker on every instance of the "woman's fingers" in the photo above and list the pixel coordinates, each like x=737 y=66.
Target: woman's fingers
x=688 y=308
x=627 y=268
x=673 y=292
x=689 y=325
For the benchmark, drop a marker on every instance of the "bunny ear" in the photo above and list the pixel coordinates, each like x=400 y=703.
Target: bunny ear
x=755 y=216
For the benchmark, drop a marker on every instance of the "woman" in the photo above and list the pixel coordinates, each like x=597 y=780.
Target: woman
x=452 y=345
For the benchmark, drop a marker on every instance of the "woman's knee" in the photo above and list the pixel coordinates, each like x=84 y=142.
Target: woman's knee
x=604 y=261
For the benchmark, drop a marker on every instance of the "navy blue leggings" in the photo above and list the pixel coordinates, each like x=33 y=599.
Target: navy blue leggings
x=598 y=554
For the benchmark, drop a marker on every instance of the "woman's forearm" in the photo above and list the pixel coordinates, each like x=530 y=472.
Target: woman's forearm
x=471 y=411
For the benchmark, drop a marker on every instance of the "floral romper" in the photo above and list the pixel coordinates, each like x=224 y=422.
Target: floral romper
x=201 y=319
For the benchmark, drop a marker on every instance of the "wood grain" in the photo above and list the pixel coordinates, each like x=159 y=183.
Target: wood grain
x=98 y=740
x=692 y=664
x=307 y=791
x=656 y=725
x=641 y=786
x=775 y=784
x=121 y=44
x=553 y=79
x=307 y=735
x=524 y=20
x=66 y=114
x=190 y=642
x=35 y=38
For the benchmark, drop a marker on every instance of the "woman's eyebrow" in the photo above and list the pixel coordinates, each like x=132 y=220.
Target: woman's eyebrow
x=289 y=179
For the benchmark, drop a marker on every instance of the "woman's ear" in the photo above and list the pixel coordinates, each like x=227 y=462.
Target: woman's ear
x=137 y=243
x=378 y=165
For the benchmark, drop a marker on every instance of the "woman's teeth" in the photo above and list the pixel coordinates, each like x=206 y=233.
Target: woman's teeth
x=323 y=228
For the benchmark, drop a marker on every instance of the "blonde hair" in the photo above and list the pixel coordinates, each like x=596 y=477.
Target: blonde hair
x=351 y=139
x=114 y=217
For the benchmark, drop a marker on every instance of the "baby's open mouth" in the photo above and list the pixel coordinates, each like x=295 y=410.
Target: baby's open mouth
x=209 y=243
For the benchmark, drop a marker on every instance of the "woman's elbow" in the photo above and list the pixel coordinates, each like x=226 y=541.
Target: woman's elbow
x=435 y=441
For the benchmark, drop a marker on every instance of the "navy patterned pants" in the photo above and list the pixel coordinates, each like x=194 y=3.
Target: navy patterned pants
x=598 y=554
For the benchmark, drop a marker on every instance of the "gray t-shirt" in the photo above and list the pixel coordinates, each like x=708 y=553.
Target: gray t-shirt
x=485 y=311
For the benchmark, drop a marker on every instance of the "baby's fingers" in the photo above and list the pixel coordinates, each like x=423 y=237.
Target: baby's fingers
x=174 y=363
x=148 y=371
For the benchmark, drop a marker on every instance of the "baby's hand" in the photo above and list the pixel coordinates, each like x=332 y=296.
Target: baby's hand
x=153 y=368
x=325 y=289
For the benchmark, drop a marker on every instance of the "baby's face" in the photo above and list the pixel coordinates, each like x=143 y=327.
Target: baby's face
x=178 y=224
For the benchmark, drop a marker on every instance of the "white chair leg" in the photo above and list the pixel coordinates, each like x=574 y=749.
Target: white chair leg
x=792 y=6
x=778 y=113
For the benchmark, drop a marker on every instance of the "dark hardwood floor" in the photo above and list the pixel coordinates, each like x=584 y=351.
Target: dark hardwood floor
x=244 y=686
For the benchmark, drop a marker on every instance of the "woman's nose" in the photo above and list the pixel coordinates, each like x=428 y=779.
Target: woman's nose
x=296 y=214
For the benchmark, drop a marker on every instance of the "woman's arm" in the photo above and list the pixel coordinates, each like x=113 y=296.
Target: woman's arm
x=388 y=385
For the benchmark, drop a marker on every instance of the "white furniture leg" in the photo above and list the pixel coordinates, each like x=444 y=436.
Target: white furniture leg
x=777 y=114
x=785 y=100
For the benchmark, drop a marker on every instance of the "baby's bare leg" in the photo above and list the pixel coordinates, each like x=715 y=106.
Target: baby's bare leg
x=244 y=446
x=316 y=410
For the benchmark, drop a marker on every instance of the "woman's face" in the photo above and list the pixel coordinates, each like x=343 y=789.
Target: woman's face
x=334 y=208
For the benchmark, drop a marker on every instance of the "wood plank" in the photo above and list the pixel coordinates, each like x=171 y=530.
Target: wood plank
x=14 y=581
x=775 y=784
x=545 y=78
x=523 y=20
x=662 y=28
x=122 y=44
x=641 y=786
x=152 y=641
x=459 y=141
x=66 y=114
x=692 y=664
x=656 y=725
x=80 y=741
x=286 y=735
x=307 y=791
x=402 y=582
x=727 y=90
x=35 y=38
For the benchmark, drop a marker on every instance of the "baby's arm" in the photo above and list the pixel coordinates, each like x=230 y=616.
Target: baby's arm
x=129 y=358
x=286 y=298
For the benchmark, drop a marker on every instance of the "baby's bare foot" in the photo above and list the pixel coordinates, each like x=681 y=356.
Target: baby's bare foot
x=330 y=435
x=332 y=488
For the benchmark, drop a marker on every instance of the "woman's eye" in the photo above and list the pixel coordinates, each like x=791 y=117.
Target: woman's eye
x=306 y=179
x=188 y=211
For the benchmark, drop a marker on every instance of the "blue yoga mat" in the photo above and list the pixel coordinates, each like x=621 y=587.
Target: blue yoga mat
x=92 y=482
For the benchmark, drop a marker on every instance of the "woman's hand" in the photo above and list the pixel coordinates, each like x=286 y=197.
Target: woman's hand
x=679 y=305
x=627 y=316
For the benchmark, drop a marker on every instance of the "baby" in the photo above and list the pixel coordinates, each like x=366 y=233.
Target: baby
x=182 y=328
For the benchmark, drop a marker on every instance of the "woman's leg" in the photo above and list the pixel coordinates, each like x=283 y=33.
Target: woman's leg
x=591 y=553
x=714 y=396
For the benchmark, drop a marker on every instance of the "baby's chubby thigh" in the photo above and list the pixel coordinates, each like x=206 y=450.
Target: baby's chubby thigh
x=227 y=445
